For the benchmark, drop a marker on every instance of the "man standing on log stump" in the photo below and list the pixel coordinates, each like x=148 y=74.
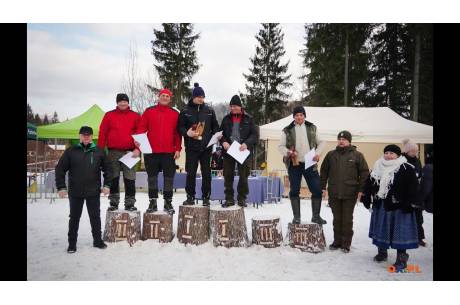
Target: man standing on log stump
x=115 y=133
x=196 y=149
x=297 y=139
x=160 y=123
x=84 y=163
x=345 y=171
x=237 y=126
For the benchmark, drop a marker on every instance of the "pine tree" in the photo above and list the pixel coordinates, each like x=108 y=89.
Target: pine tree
x=335 y=56
x=55 y=118
x=426 y=75
x=267 y=80
x=174 y=52
x=391 y=71
x=421 y=58
x=45 y=120
x=30 y=114
x=37 y=120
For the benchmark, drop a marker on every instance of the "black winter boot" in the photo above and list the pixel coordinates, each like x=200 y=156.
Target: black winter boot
x=401 y=260
x=242 y=203
x=206 y=201
x=381 y=256
x=152 y=205
x=295 y=204
x=189 y=201
x=72 y=249
x=114 y=201
x=334 y=246
x=129 y=203
x=167 y=207
x=316 y=208
x=228 y=203
x=99 y=244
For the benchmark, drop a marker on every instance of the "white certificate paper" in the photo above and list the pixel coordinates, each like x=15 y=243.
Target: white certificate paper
x=128 y=159
x=214 y=138
x=144 y=142
x=309 y=158
x=234 y=151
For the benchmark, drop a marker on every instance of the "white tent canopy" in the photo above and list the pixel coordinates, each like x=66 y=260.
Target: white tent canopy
x=372 y=125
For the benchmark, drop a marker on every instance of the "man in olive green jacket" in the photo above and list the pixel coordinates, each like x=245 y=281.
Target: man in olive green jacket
x=345 y=171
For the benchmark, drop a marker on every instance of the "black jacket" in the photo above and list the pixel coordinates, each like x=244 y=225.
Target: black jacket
x=416 y=163
x=193 y=114
x=401 y=195
x=426 y=188
x=249 y=132
x=84 y=165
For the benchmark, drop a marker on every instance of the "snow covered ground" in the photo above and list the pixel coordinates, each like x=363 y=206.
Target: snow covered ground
x=47 y=258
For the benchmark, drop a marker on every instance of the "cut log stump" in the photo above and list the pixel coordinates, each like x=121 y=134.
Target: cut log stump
x=266 y=231
x=193 y=224
x=159 y=226
x=228 y=227
x=307 y=237
x=122 y=225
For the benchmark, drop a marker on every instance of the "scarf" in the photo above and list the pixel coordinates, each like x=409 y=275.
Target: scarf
x=384 y=173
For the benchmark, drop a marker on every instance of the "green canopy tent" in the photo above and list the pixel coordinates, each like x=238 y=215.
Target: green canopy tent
x=69 y=129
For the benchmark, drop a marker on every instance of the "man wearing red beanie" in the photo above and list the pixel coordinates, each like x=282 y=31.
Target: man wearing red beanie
x=115 y=133
x=160 y=123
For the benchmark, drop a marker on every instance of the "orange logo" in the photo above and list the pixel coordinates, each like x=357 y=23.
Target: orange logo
x=408 y=269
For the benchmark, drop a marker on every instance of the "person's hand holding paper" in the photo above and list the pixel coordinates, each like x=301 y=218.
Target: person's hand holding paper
x=215 y=138
x=309 y=156
x=143 y=142
x=129 y=160
x=236 y=153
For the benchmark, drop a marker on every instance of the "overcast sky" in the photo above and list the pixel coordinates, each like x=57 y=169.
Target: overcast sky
x=70 y=67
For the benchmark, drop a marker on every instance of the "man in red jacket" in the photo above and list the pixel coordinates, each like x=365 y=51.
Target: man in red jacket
x=160 y=123
x=115 y=133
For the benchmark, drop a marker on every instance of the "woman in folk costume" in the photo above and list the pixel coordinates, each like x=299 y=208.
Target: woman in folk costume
x=391 y=188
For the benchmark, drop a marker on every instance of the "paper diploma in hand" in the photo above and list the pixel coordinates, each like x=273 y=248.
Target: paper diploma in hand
x=236 y=153
x=214 y=138
x=309 y=158
x=144 y=142
x=128 y=159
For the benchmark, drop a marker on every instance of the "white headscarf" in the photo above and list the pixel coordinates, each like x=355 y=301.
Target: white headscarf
x=384 y=173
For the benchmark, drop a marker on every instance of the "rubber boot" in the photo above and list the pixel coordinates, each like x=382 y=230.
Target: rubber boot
x=316 y=208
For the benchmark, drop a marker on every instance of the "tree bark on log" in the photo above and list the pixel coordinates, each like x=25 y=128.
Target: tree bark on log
x=228 y=227
x=193 y=224
x=159 y=226
x=307 y=237
x=266 y=231
x=122 y=225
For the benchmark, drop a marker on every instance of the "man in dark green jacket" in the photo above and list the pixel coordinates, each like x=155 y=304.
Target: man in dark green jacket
x=84 y=163
x=345 y=171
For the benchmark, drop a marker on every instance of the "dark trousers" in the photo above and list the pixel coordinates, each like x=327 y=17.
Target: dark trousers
x=419 y=220
x=154 y=163
x=311 y=176
x=342 y=210
x=192 y=158
x=229 y=175
x=76 y=207
x=130 y=187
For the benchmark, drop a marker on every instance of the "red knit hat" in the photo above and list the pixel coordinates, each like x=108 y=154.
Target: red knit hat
x=165 y=91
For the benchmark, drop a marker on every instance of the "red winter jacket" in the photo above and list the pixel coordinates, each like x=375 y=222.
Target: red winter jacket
x=160 y=122
x=117 y=128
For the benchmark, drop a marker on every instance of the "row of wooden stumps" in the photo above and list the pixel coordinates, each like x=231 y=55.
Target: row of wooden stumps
x=225 y=226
